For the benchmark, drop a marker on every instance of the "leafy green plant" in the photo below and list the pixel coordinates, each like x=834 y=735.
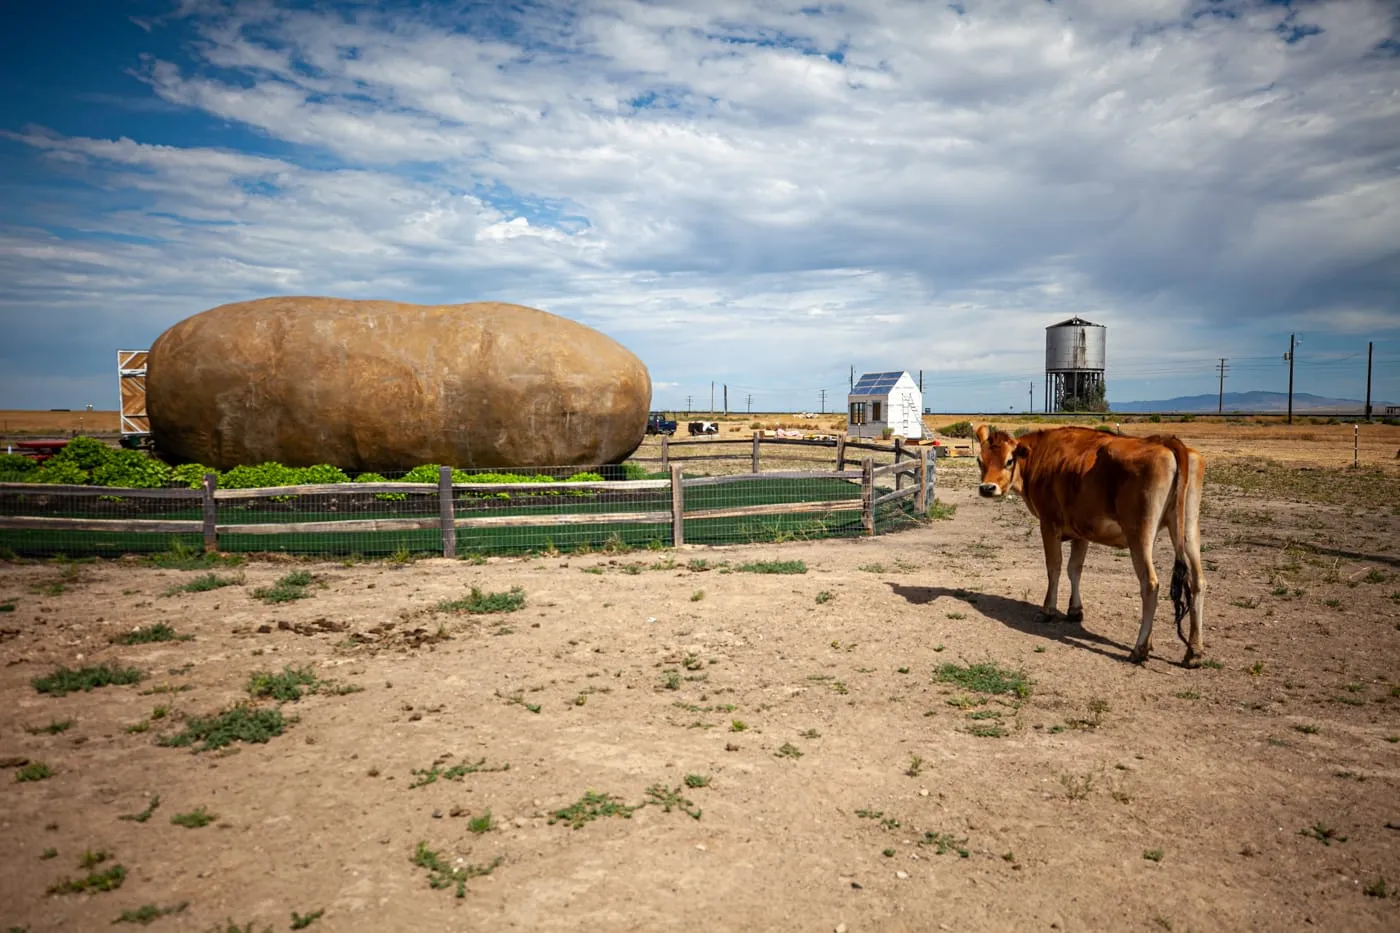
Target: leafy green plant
x=670 y=798
x=1152 y=855
x=427 y=776
x=149 y=913
x=442 y=875
x=302 y=921
x=204 y=583
x=287 y=588
x=987 y=677
x=34 y=771
x=479 y=603
x=592 y=806
x=285 y=687
x=237 y=724
x=195 y=819
x=64 y=681
x=774 y=566
x=53 y=728
x=145 y=814
x=107 y=880
x=149 y=635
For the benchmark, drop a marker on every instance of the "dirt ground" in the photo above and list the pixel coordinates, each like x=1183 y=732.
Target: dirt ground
x=841 y=784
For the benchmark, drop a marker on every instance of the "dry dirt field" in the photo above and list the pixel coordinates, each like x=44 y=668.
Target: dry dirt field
x=805 y=751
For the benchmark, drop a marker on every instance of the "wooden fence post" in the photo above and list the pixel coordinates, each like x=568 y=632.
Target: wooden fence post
x=921 y=497
x=445 y=512
x=898 y=454
x=840 y=454
x=755 y=451
x=211 y=513
x=665 y=454
x=677 y=506
x=932 y=478
x=867 y=495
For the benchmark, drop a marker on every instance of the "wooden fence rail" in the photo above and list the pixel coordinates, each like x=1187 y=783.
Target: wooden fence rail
x=448 y=522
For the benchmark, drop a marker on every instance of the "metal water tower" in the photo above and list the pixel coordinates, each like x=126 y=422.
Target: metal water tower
x=1075 y=357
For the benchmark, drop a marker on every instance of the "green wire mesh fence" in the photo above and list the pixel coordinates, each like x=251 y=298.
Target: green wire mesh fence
x=683 y=503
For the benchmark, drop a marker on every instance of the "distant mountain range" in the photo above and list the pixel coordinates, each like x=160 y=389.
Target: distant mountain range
x=1254 y=401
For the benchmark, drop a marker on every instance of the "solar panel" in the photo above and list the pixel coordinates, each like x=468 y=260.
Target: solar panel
x=876 y=383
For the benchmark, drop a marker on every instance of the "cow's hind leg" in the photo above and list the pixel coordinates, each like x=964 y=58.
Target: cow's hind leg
x=1053 y=559
x=1078 y=550
x=1140 y=546
x=1192 y=580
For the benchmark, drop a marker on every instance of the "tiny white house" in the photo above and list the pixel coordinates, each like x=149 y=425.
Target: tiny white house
x=885 y=400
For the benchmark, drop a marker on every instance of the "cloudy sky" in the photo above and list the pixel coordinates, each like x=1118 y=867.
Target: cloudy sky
x=763 y=194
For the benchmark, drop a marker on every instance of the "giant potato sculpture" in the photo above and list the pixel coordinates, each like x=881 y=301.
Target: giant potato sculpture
x=378 y=385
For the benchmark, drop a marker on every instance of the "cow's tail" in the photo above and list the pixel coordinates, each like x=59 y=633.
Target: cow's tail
x=1182 y=594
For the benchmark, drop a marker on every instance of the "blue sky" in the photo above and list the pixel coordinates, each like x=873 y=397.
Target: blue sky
x=758 y=194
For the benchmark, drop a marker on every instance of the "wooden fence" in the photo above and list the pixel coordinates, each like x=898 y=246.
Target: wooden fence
x=913 y=477
x=681 y=451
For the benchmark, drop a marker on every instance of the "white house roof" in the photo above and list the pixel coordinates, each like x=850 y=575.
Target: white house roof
x=877 y=383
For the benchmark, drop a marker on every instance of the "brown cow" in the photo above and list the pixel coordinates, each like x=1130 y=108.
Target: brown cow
x=1089 y=486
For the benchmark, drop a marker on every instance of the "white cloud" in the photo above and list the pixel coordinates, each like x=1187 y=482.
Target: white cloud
x=891 y=183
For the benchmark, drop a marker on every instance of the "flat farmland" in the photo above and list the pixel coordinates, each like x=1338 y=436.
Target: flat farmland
x=860 y=734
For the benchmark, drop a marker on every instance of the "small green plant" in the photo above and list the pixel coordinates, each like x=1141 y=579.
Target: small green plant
x=145 y=814
x=428 y=776
x=150 y=913
x=287 y=588
x=1322 y=833
x=442 y=875
x=788 y=750
x=90 y=859
x=1307 y=728
x=64 y=681
x=670 y=798
x=589 y=807
x=916 y=766
x=941 y=511
x=149 y=635
x=302 y=921
x=195 y=819
x=7 y=606
x=203 y=584
x=697 y=596
x=481 y=824
x=34 y=771
x=48 y=854
x=53 y=728
x=236 y=724
x=825 y=596
x=943 y=843
x=697 y=780
x=773 y=566
x=1077 y=787
x=987 y=677
x=1188 y=695
x=1374 y=576
x=106 y=880
x=479 y=603
x=1376 y=888
x=285 y=687
x=182 y=556
x=737 y=725
x=1152 y=855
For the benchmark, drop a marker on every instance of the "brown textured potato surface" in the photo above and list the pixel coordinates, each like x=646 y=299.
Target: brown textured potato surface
x=379 y=385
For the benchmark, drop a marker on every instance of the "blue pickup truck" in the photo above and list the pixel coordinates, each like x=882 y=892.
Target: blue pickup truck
x=657 y=423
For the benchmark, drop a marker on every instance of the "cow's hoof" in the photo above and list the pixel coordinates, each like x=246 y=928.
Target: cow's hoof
x=1139 y=657
x=1043 y=616
x=1074 y=615
x=1192 y=659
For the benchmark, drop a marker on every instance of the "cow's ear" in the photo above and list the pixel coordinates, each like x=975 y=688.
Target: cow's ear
x=981 y=433
x=1021 y=452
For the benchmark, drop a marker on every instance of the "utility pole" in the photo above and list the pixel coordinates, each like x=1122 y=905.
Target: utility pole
x=750 y=402
x=712 y=395
x=1291 y=345
x=1220 y=404
x=687 y=404
x=921 y=382
x=1369 y=347
x=1030 y=399
x=726 y=398
x=823 y=391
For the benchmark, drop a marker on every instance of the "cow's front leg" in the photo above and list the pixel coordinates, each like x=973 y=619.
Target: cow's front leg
x=1051 y=540
x=1078 y=550
x=1147 y=586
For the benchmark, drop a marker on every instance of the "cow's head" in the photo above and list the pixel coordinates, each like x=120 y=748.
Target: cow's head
x=1002 y=459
